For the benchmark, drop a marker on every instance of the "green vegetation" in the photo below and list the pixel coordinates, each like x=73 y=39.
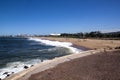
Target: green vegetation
x=95 y=34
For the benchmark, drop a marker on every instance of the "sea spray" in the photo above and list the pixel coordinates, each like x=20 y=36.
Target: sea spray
x=15 y=67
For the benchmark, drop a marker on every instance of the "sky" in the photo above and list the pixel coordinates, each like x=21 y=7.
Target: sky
x=58 y=16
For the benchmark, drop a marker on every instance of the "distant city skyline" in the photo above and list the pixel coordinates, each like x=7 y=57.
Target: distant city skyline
x=58 y=16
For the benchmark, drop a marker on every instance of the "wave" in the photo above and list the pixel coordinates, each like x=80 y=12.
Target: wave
x=57 y=44
x=51 y=49
x=15 y=67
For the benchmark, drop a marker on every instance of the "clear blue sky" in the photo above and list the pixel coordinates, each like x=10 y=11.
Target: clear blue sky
x=58 y=16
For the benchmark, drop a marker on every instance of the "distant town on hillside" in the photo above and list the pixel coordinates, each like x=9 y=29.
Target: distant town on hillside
x=93 y=34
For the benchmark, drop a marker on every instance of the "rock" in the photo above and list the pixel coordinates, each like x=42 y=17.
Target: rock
x=117 y=47
x=5 y=73
x=12 y=73
x=25 y=67
x=32 y=65
x=15 y=66
x=41 y=60
x=8 y=75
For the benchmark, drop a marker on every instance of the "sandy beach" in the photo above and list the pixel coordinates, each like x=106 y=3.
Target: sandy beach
x=88 y=43
x=101 y=66
x=94 y=64
x=59 y=39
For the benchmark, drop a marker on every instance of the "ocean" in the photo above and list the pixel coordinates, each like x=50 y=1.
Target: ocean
x=16 y=53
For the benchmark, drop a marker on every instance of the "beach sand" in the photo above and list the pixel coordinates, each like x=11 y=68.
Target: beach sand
x=24 y=75
x=88 y=65
x=101 y=66
x=88 y=43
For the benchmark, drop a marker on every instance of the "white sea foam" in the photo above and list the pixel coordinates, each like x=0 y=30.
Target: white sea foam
x=15 y=67
x=58 y=44
x=51 y=49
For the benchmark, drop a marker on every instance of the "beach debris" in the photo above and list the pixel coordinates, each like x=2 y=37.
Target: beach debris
x=25 y=67
x=118 y=47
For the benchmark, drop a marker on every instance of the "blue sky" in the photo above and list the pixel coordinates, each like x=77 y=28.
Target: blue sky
x=58 y=16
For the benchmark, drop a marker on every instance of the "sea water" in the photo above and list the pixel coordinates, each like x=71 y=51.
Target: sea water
x=16 y=53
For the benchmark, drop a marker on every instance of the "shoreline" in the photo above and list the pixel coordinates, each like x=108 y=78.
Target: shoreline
x=45 y=61
x=83 y=48
x=98 y=66
x=24 y=75
x=87 y=43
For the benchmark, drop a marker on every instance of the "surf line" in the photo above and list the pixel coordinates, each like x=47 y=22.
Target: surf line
x=57 y=44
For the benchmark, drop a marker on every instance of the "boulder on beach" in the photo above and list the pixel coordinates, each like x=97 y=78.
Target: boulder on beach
x=25 y=67
x=8 y=75
x=12 y=73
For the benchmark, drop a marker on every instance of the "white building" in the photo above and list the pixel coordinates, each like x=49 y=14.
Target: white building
x=55 y=34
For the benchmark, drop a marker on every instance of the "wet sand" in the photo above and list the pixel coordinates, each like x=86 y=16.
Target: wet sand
x=101 y=66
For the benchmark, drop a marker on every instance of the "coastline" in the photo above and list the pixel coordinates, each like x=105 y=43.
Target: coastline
x=24 y=75
x=60 y=44
x=99 y=66
x=66 y=40
x=87 y=43
x=81 y=47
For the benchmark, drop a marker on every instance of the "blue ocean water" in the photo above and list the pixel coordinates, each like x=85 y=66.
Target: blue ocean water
x=15 y=53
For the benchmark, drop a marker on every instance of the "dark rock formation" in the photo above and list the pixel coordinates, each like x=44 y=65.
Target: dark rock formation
x=25 y=67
